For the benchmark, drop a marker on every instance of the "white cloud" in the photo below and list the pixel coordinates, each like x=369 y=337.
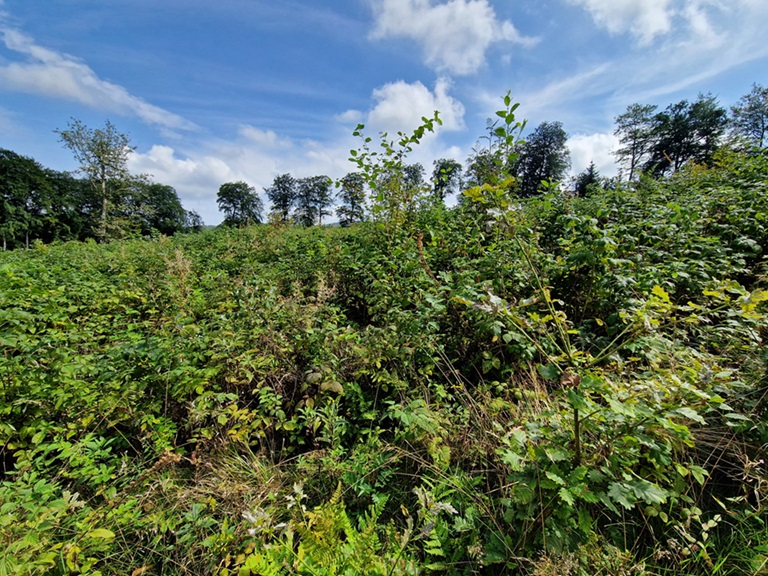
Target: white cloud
x=256 y=156
x=717 y=38
x=349 y=117
x=597 y=148
x=455 y=35
x=195 y=178
x=267 y=138
x=704 y=24
x=400 y=106
x=49 y=73
x=540 y=102
x=645 y=19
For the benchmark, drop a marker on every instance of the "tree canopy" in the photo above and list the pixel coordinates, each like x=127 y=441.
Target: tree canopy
x=103 y=156
x=660 y=143
x=240 y=204
x=543 y=157
x=749 y=117
x=352 y=196
x=282 y=195
x=313 y=197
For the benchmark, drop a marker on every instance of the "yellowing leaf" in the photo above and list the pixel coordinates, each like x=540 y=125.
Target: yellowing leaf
x=331 y=386
x=101 y=533
x=659 y=292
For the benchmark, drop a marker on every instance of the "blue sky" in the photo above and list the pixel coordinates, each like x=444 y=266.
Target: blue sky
x=219 y=91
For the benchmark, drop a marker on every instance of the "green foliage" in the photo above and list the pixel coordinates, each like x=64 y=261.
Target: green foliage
x=322 y=541
x=446 y=178
x=103 y=156
x=749 y=117
x=37 y=204
x=494 y=165
x=240 y=204
x=634 y=128
x=543 y=157
x=313 y=197
x=397 y=189
x=548 y=385
x=662 y=143
x=282 y=195
x=352 y=196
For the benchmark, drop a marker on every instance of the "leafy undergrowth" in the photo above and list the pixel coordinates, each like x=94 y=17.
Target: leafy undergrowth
x=556 y=386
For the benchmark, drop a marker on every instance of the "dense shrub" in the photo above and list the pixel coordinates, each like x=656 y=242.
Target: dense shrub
x=547 y=386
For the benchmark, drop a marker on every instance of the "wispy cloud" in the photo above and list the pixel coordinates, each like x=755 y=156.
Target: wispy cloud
x=52 y=74
x=454 y=35
x=707 y=24
x=557 y=94
x=645 y=19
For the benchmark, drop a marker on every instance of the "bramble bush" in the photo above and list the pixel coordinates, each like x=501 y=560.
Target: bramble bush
x=551 y=385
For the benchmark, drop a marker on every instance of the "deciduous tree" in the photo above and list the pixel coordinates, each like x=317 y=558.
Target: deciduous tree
x=24 y=199
x=543 y=157
x=103 y=156
x=446 y=177
x=240 y=204
x=634 y=129
x=749 y=117
x=157 y=207
x=282 y=195
x=313 y=197
x=352 y=196
x=685 y=132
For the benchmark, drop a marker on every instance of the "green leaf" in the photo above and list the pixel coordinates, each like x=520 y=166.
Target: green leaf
x=659 y=292
x=566 y=496
x=555 y=478
x=549 y=372
x=513 y=460
x=648 y=492
x=621 y=494
x=699 y=474
x=691 y=414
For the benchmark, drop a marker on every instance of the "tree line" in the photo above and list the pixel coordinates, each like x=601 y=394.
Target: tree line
x=653 y=142
x=658 y=143
x=100 y=200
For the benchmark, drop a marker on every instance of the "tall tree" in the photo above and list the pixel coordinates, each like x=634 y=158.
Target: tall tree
x=544 y=156
x=352 y=196
x=240 y=204
x=413 y=175
x=686 y=132
x=157 y=207
x=193 y=222
x=313 y=197
x=634 y=129
x=749 y=117
x=74 y=205
x=282 y=195
x=446 y=177
x=586 y=179
x=103 y=156
x=24 y=200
